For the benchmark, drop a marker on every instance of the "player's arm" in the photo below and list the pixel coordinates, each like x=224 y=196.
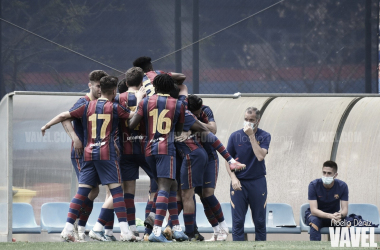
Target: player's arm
x=183 y=90
x=235 y=183
x=59 y=118
x=78 y=146
x=210 y=126
x=344 y=209
x=135 y=120
x=178 y=77
x=259 y=152
x=319 y=213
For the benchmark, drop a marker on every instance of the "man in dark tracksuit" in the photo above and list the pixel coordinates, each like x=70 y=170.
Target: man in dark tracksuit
x=249 y=187
x=328 y=199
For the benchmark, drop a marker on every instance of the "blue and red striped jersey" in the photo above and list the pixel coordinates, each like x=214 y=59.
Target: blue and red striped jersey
x=191 y=143
x=148 y=81
x=77 y=124
x=161 y=112
x=131 y=141
x=207 y=116
x=100 y=120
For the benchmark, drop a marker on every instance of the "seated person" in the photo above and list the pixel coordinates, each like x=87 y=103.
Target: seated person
x=328 y=198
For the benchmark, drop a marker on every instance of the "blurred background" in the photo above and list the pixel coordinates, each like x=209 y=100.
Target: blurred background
x=314 y=46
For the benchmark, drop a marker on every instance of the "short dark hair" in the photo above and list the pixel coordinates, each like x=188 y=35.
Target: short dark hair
x=331 y=164
x=122 y=86
x=143 y=62
x=96 y=75
x=108 y=84
x=250 y=110
x=134 y=76
x=163 y=83
x=175 y=91
x=194 y=103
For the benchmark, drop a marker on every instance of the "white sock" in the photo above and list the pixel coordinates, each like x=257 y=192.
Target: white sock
x=216 y=229
x=124 y=228
x=223 y=224
x=81 y=229
x=98 y=227
x=231 y=161
x=157 y=231
x=108 y=232
x=69 y=227
x=133 y=228
x=152 y=214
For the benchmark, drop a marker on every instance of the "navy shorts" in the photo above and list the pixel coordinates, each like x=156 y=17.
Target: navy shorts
x=162 y=166
x=77 y=164
x=192 y=169
x=104 y=172
x=130 y=165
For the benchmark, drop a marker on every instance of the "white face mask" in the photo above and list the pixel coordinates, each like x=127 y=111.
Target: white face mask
x=253 y=125
x=327 y=180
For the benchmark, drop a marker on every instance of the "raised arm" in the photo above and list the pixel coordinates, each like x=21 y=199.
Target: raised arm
x=59 y=118
x=259 y=152
x=178 y=77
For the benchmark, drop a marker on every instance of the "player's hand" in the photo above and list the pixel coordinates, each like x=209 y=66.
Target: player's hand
x=248 y=130
x=44 y=128
x=236 y=184
x=78 y=147
x=141 y=93
x=183 y=136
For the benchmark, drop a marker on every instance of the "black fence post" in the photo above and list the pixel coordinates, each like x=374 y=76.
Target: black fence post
x=368 y=77
x=195 y=47
x=178 y=34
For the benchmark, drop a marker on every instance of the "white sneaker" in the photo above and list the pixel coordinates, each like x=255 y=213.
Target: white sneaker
x=97 y=235
x=214 y=237
x=82 y=237
x=129 y=237
x=67 y=236
x=76 y=234
x=223 y=234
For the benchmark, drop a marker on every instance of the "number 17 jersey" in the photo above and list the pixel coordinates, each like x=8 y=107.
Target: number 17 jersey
x=161 y=112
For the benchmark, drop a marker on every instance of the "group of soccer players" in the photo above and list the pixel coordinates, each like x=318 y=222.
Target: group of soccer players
x=154 y=124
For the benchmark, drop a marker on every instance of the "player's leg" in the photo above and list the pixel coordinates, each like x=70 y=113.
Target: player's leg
x=130 y=172
x=106 y=215
x=239 y=207
x=257 y=199
x=110 y=174
x=87 y=180
x=315 y=224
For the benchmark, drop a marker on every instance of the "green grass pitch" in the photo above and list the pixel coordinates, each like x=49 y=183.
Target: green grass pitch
x=177 y=246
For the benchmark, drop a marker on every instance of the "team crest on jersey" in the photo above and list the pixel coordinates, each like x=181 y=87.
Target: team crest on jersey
x=336 y=196
x=232 y=192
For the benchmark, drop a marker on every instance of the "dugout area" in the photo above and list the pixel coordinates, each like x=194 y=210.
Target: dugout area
x=306 y=130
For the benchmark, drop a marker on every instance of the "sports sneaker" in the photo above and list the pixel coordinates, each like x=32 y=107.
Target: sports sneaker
x=168 y=233
x=110 y=237
x=223 y=234
x=191 y=237
x=214 y=237
x=178 y=234
x=149 y=221
x=237 y=166
x=82 y=237
x=97 y=235
x=197 y=235
x=67 y=236
x=135 y=233
x=161 y=238
x=129 y=237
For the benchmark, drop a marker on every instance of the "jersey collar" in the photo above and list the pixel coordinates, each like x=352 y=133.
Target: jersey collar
x=162 y=94
x=89 y=96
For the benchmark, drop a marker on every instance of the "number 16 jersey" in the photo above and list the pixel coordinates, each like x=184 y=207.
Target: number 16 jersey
x=161 y=112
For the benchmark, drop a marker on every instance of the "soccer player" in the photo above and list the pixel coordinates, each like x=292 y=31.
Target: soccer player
x=132 y=147
x=75 y=131
x=163 y=116
x=210 y=203
x=328 y=199
x=145 y=63
x=100 y=118
x=250 y=145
